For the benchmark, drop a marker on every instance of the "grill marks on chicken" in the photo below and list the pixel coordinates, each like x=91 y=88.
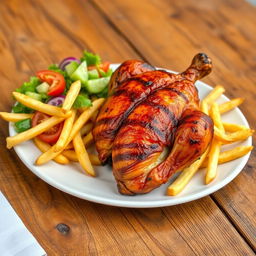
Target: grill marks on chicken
x=193 y=135
x=117 y=107
x=153 y=127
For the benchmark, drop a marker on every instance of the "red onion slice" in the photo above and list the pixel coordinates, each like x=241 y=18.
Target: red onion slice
x=56 y=101
x=66 y=61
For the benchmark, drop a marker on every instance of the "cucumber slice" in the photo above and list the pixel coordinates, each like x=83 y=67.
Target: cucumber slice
x=97 y=85
x=34 y=96
x=43 y=87
x=93 y=74
x=71 y=67
x=80 y=73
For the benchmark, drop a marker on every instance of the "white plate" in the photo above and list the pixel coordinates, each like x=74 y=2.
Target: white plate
x=72 y=180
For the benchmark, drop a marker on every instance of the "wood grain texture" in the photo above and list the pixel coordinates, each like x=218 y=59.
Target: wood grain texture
x=35 y=35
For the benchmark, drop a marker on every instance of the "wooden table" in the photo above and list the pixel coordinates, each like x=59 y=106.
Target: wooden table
x=166 y=33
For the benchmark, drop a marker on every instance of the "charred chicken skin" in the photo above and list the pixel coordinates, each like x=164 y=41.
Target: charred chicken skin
x=126 y=70
x=153 y=127
x=125 y=96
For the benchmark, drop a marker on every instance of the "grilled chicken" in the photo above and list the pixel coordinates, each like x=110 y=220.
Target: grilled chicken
x=163 y=134
x=126 y=96
x=126 y=70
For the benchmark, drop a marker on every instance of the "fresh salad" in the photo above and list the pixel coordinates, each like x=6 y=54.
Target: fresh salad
x=51 y=85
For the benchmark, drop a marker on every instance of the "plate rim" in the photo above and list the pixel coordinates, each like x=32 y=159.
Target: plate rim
x=209 y=189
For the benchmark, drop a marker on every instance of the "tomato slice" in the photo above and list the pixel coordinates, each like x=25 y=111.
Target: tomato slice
x=51 y=136
x=54 y=79
x=103 y=66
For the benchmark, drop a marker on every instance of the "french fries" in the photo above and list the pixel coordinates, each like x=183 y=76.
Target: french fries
x=39 y=106
x=214 y=94
x=71 y=95
x=33 y=132
x=204 y=107
x=72 y=156
x=186 y=175
x=229 y=155
x=60 y=159
x=224 y=133
x=67 y=127
x=14 y=117
x=232 y=137
x=88 y=139
x=213 y=161
x=211 y=169
x=233 y=127
x=82 y=155
x=229 y=105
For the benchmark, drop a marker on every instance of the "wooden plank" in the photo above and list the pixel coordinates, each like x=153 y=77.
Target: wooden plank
x=29 y=44
x=179 y=31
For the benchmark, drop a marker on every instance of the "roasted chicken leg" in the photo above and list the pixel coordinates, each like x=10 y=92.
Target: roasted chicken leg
x=168 y=120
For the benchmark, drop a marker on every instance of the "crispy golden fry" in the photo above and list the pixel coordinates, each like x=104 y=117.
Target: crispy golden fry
x=66 y=130
x=232 y=137
x=82 y=119
x=71 y=95
x=60 y=159
x=86 y=128
x=84 y=131
x=211 y=170
x=233 y=127
x=94 y=116
x=230 y=155
x=71 y=155
x=204 y=107
x=88 y=139
x=215 y=115
x=38 y=105
x=186 y=175
x=229 y=105
x=82 y=155
x=85 y=116
x=14 y=117
x=214 y=94
x=33 y=132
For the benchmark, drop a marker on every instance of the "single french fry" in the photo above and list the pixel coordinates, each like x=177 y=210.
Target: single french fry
x=71 y=95
x=211 y=170
x=14 y=117
x=40 y=106
x=232 y=137
x=71 y=155
x=214 y=94
x=82 y=119
x=66 y=130
x=229 y=105
x=94 y=116
x=215 y=115
x=88 y=139
x=233 y=127
x=82 y=155
x=230 y=155
x=33 y=132
x=86 y=128
x=186 y=175
x=204 y=107
x=60 y=159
